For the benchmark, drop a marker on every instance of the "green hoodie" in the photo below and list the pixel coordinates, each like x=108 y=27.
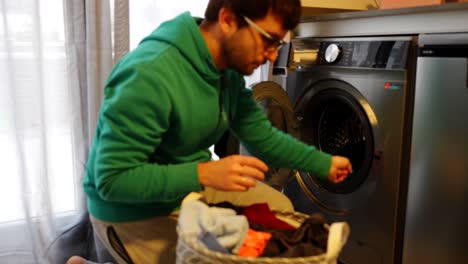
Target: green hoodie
x=163 y=108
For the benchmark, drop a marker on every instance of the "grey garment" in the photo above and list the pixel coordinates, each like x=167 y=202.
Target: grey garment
x=210 y=241
x=150 y=240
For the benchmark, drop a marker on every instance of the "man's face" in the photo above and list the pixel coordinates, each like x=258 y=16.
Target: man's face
x=248 y=48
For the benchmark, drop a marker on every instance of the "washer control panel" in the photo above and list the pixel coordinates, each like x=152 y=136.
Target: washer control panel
x=387 y=54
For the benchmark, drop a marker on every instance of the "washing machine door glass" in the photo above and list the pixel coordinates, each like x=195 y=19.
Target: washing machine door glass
x=334 y=121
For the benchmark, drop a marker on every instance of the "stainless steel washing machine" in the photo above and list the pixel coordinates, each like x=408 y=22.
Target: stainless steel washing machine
x=354 y=98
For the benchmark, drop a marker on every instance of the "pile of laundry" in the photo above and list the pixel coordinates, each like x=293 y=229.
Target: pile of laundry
x=252 y=231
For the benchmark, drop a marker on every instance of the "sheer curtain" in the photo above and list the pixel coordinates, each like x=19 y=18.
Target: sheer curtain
x=54 y=58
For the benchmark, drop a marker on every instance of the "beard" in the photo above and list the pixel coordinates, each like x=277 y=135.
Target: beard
x=237 y=58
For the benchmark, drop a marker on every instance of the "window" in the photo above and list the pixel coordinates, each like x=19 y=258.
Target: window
x=34 y=93
x=147 y=15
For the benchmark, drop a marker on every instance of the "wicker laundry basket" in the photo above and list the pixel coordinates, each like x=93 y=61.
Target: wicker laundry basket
x=191 y=251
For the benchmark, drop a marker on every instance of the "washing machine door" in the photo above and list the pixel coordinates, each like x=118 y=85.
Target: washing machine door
x=276 y=104
x=337 y=119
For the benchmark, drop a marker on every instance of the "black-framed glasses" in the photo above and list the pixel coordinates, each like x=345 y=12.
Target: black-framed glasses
x=271 y=43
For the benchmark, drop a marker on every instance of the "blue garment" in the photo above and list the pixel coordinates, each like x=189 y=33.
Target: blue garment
x=196 y=219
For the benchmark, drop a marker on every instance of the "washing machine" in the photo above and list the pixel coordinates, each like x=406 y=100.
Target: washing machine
x=353 y=97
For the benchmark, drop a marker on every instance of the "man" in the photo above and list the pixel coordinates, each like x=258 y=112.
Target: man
x=167 y=102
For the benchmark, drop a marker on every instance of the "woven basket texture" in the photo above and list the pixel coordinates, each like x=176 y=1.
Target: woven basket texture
x=191 y=251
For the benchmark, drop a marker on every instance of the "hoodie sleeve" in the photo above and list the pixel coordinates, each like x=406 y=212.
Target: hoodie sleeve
x=276 y=148
x=132 y=124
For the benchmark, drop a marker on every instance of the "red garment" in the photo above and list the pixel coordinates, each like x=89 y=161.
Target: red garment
x=261 y=214
x=254 y=243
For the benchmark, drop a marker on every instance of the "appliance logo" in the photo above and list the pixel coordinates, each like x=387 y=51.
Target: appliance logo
x=427 y=52
x=392 y=86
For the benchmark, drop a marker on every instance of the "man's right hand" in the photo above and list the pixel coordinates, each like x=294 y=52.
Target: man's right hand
x=339 y=169
x=232 y=173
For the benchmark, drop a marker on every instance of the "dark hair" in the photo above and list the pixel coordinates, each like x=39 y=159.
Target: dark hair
x=289 y=11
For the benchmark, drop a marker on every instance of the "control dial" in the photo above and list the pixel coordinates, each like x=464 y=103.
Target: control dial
x=332 y=53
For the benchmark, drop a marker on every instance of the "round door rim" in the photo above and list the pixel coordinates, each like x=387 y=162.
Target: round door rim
x=350 y=200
